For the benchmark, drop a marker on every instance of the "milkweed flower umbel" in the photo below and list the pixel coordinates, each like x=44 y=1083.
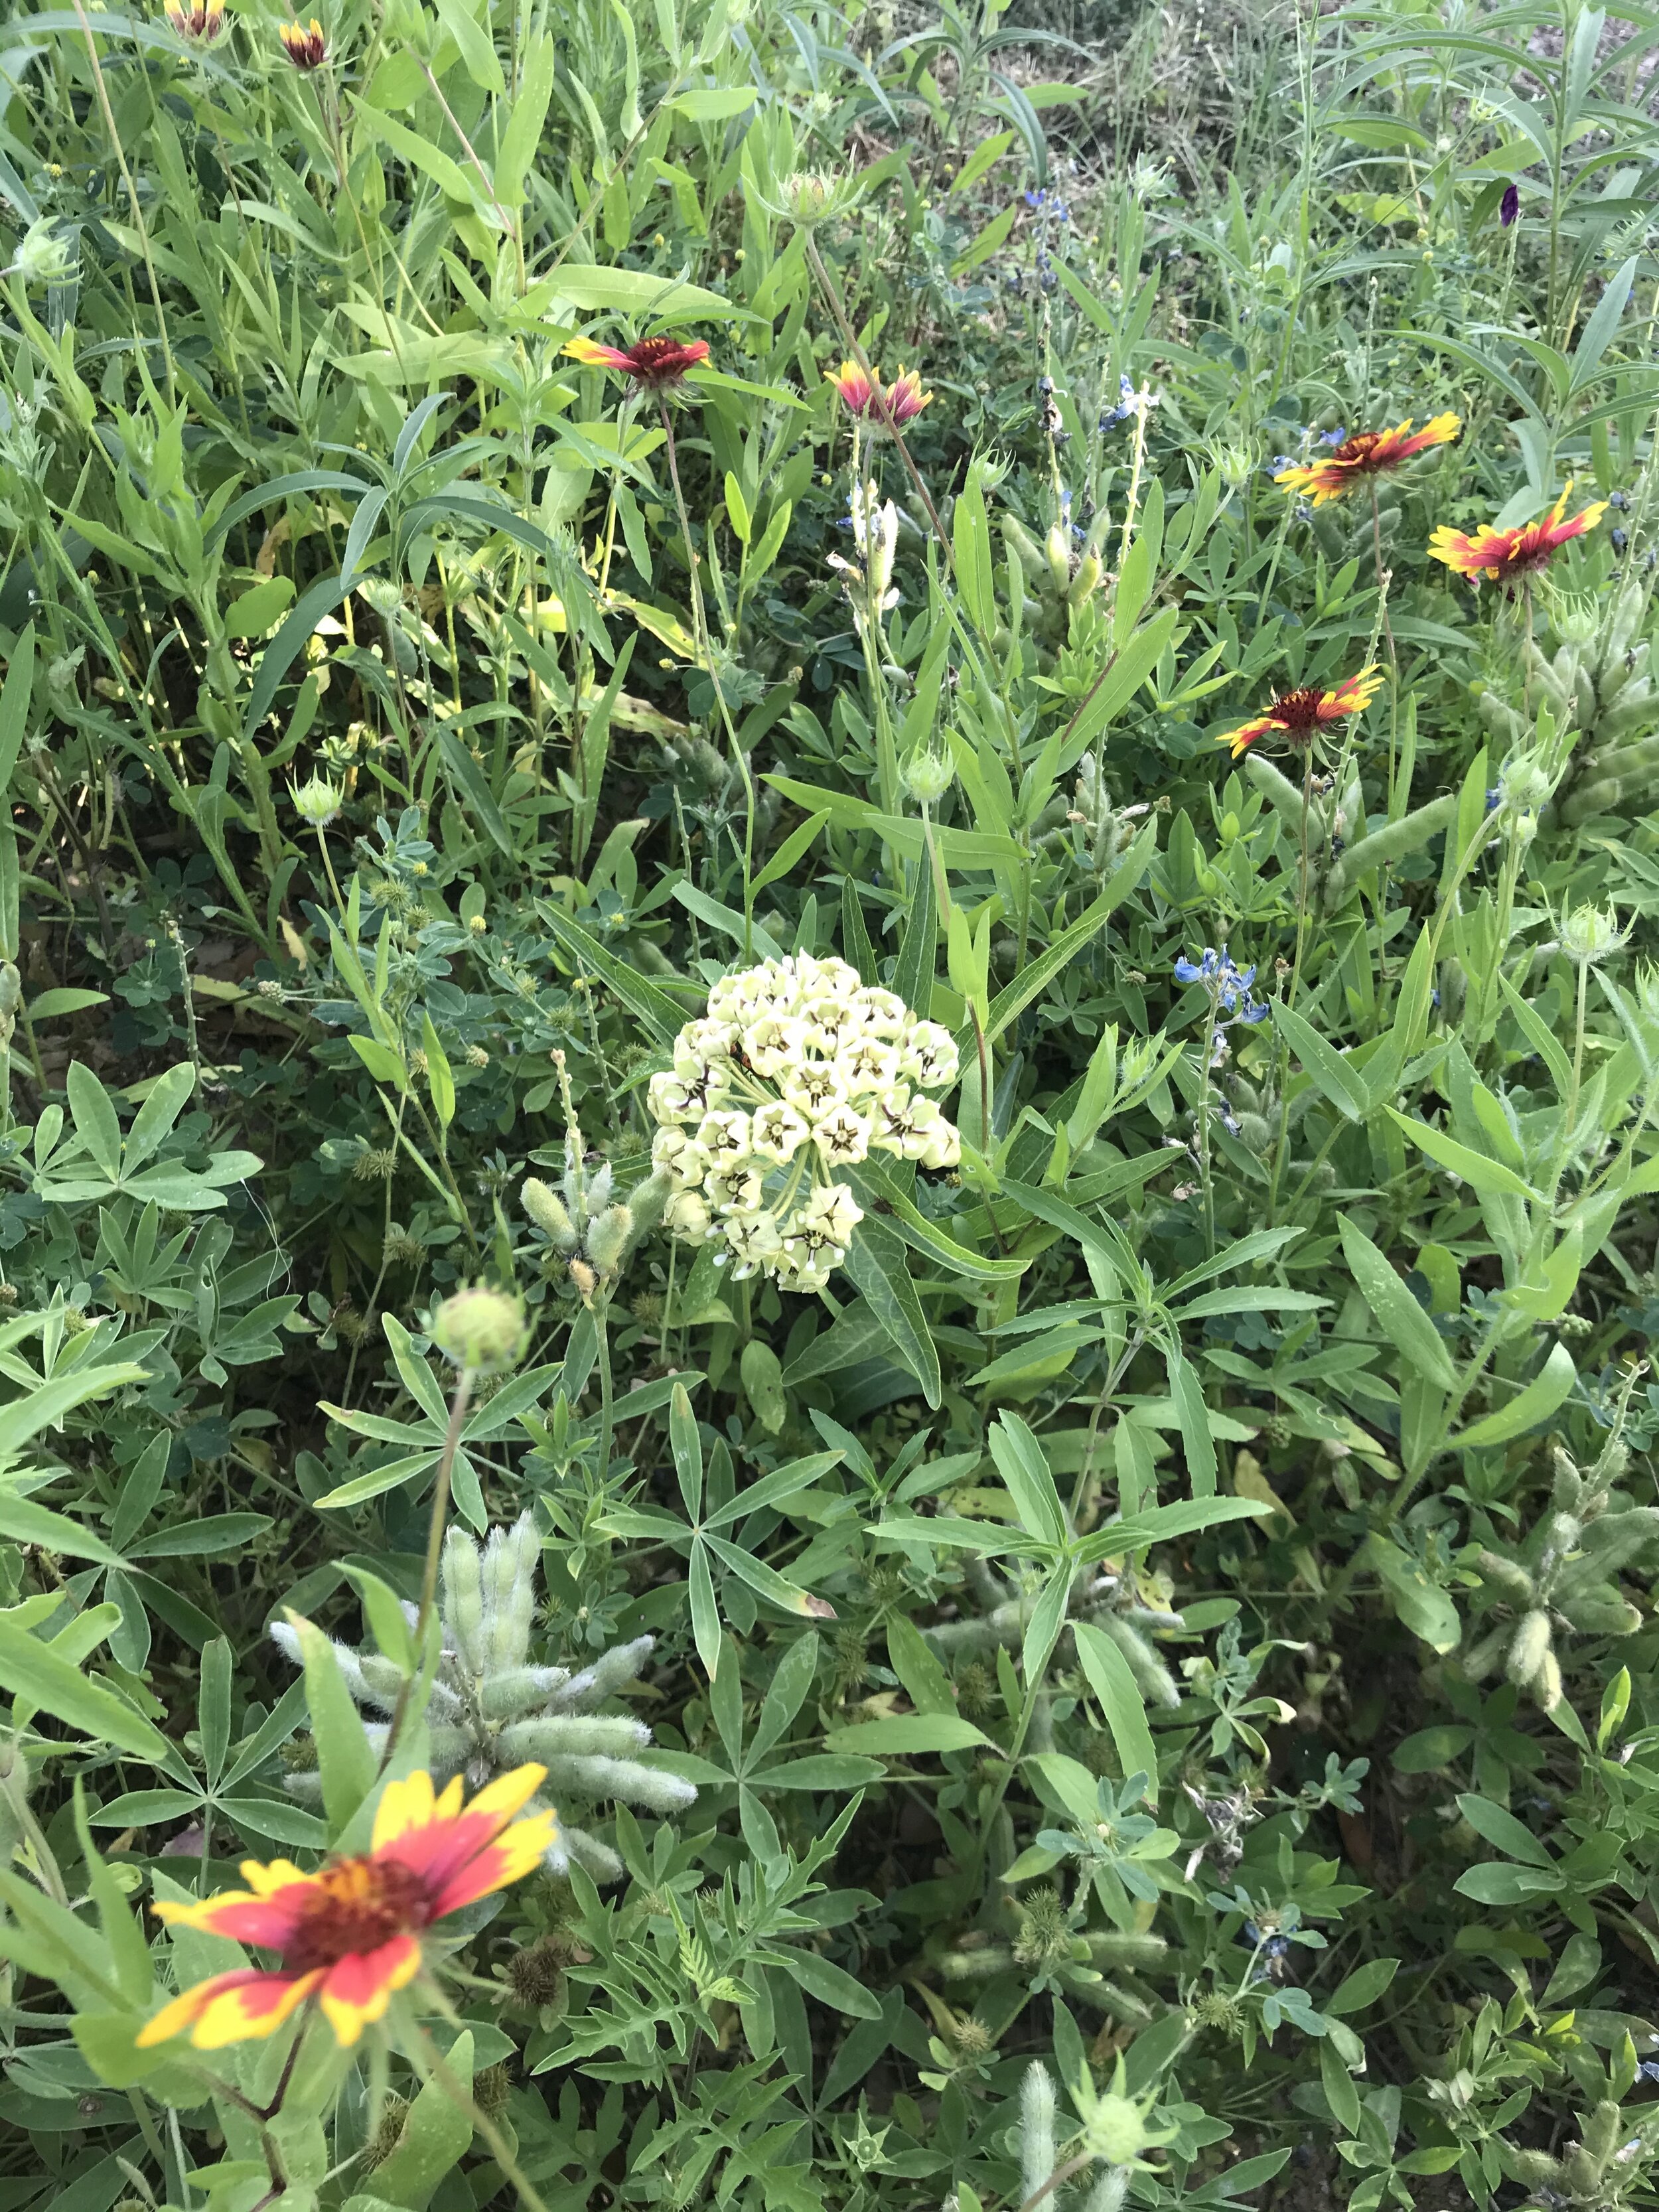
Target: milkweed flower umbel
x=304 y=44
x=1368 y=454
x=1506 y=555
x=798 y=1069
x=1299 y=716
x=351 y=1934
x=888 y=406
x=203 y=20
x=653 y=364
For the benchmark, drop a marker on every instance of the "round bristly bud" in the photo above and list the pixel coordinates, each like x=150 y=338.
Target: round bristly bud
x=1589 y=935
x=317 y=801
x=928 y=774
x=41 y=257
x=480 y=1330
x=536 y=1976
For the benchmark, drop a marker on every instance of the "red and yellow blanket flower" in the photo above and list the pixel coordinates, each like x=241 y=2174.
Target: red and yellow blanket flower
x=1299 y=716
x=1368 y=454
x=350 y=1933
x=1505 y=555
x=653 y=364
x=870 y=399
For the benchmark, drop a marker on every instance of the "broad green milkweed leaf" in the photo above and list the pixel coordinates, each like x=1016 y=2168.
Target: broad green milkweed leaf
x=1401 y=1319
x=1550 y=1388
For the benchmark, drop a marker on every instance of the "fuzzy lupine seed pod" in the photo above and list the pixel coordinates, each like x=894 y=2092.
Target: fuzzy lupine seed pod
x=493 y=1709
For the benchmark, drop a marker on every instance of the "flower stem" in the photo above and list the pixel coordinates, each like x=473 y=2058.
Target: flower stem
x=434 y=1548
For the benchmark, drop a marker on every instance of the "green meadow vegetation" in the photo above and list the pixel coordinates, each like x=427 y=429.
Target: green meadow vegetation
x=830 y=1181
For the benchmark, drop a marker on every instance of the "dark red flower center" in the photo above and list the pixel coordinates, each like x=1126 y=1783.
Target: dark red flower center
x=357 y=1905
x=1356 y=452
x=1297 y=713
x=662 y=359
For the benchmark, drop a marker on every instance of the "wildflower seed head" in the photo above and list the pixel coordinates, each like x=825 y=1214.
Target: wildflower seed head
x=1044 y=1936
x=491 y=2087
x=480 y=1330
x=797 y=1070
x=388 y=2133
x=41 y=255
x=374 y=1167
x=928 y=774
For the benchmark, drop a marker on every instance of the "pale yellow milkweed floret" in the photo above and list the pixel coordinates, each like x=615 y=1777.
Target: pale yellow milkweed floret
x=814 y=1087
x=736 y=1188
x=832 y=1210
x=752 y=1242
x=677 y=1152
x=928 y=1055
x=724 y=1135
x=777 y=1132
x=842 y=1136
x=883 y=1012
x=868 y=1064
x=687 y=1218
x=672 y=1098
x=773 y=1044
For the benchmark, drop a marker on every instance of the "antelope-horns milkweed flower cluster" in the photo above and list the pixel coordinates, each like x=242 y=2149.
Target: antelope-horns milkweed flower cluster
x=653 y=364
x=1368 y=454
x=1299 y=716
x=352 y=1934
x=304 y=44
x=799 y=1068
x=888 y=405
x=1503 y=555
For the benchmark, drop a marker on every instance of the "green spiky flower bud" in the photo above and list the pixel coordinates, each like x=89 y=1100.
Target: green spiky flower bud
x=480 y=1330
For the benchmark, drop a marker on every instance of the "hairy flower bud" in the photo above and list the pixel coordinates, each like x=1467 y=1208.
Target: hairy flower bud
x=480 y=1330
x=549 y=1213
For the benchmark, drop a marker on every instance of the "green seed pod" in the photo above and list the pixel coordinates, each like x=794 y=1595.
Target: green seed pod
x=1528 y=1650
x=609 y=1238
x=1121 y=1947
x=978 y=1965
x=1603 y=2132
x=1507 y=1574
x=1536 y=2168
x=1059 y=553
x=462 y=1609
x=1153 y=1678
x=1086 y=582
x=517 y=1690
x=1025 y=549
x=1580 y=2172
x=549 y=1213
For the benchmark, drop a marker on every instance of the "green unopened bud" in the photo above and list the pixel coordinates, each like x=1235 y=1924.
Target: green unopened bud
x=42 y=257
x=549 y=1213
x=480 y=1330
x=928 y=774
x=814 y=195
x=1115 y=2130
x=1588 y=935
x=1058 y=555
x=317 y=801
x=11 y=989
x=1086 y=582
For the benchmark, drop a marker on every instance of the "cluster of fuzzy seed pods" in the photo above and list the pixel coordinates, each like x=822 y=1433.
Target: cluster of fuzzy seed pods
x=1564 y=1576
x=493 y=1710
x=1598 y=682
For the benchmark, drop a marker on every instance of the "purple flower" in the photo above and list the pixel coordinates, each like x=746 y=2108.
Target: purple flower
x=1510 y=206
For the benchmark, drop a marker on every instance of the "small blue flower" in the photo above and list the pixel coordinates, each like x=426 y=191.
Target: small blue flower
x=1189 y=971
x=1048 y=281
x=1619 y=539
x=1280 y=461
x=1648 y=2070
x=1255 y=1012
x=1337 y=437
x=1617 y=498
x=1060 y=212
x=1493 y=798
x=1035 y=199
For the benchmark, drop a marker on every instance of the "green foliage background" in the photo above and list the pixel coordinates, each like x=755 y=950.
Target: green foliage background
x=1163 y=1645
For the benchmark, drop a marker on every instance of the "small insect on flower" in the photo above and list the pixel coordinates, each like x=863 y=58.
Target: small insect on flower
x=1299 y=716
x=204 y=19
x=1506 y=555
x=304 y=44
x=888 y=405
x=350 y=1935
x=1368 y=454
x=653 y=365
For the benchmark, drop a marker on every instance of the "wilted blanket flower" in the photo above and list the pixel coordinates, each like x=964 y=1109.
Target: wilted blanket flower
x=799 y=1068
x=350 y=1935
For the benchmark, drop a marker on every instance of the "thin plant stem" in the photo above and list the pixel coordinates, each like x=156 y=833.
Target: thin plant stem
x=435 y=1546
